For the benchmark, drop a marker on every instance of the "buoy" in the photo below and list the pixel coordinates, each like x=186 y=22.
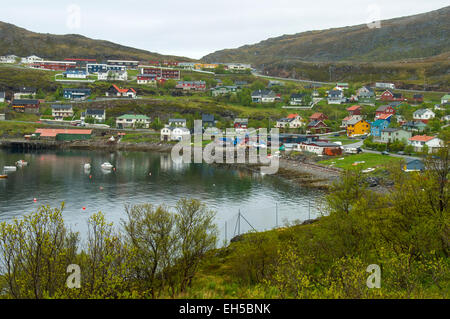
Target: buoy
x=34 y=200
x=114 y=169
x=90 y=176
x=84 y=208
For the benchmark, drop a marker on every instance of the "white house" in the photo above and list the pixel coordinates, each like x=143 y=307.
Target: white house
x=445 y=99
x=8 y=58
x=131 y=120
x=177 y=122
x=432 y=142
x=61 y=111
x=423 y=115
x=32 y=59
x=291 y=121
x=166 y=133
x=336 y=97
x=97 y=115
x=178 y=133
x=2 y=97
x=75 y=74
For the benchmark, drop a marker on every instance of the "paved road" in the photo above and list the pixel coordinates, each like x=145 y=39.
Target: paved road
x=360 y=143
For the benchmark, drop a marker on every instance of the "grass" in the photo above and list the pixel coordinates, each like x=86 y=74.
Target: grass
x=141 y=138
x=14 y=129
x=344 y=139
x=369 y=159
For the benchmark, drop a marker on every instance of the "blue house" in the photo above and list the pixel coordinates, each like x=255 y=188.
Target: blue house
x=76 y=94
x=414 y=165
x=378 y=126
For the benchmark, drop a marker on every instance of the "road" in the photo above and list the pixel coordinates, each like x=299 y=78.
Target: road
x=360 y=143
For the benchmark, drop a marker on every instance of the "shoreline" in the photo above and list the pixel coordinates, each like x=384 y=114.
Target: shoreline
x=300 y=173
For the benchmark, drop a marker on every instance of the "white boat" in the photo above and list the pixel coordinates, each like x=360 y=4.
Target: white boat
x=368 y=170
x=10 y=168
x=107 y=165
x=87 y=166
x=21 y=163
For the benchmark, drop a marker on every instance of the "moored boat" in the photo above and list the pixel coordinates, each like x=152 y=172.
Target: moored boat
x=21 y=163
x=107 y=165
x=10 y=168
x=3 y=176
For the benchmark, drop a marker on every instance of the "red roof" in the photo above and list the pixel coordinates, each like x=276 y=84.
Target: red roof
x=353 y=108
x=347 y=118
x=292 y=116
x=48 y=132
x=316 y=116
x=123 y=90
x=384 y=116
x=422 y=138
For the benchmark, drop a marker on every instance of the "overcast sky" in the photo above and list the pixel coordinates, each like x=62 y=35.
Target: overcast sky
x=194 y=28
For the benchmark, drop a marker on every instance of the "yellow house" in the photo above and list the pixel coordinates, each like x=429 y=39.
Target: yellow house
x=200 y=66
x=357 y=126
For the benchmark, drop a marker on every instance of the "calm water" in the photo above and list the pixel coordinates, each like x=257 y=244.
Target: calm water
x=53 y=177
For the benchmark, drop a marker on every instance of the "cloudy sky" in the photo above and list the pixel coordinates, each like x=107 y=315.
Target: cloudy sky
x=197 y=27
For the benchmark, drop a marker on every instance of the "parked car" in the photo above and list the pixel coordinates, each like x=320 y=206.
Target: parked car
x=385 y=153
x=401 y=153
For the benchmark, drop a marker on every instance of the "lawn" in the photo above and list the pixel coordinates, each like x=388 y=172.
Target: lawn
x=343 y=138
x=369 y=159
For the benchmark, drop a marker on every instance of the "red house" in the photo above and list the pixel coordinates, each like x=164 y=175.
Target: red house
x=418 y=98
x=388 y=95
x=354 y=110
x=317 y=127
x=318 y=117
x=384 y=111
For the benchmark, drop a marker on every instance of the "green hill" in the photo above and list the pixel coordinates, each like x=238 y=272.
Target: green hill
x=21 y=42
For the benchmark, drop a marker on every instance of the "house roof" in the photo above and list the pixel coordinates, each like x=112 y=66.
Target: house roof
x=46 y=132
x=354 y=108
x=316 y=116
x=22 y=102
x=123 y=90
x=133 y=117
x=315 y=123
x=61 y=106
x=177 y=120
x=335 y=93
x=292 y=116
x=384 y=116
x=207 y=118
x=422 y=138
x=262 y=92
x=240 y=120
x=446 y=97
x=391 y=129
x=422 y=112
x=382 y=108
x=353 y=120
x=378 y=122
x=77 y=90
x=95 y=112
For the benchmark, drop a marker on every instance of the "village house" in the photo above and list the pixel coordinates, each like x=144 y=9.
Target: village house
x=130 y=65
x=357 y=127
x=432 y=142
x=191 y=85
x=2 y=97
x=112 y=75
x=349 y=118
x=160 y=72
x=10 y=59
x=115 y=91
x=63 y=134
x=53 y=65
x=354 y=110
x=291 y=121
x=413 y=165
x=390 y=135
x=75 y=74
x=208 y=120
x=132 y=121
x=318 y=117
x=240 y=84
x=76 y=94
x=321 y=148
x=97 y=115
x=237 y=67
x=177 y=122
x=417 y=126
x=365 y=92
x=445 y=99
x=25 y=92
x=240 y=124
x=342 y=86
x=61 y=111
x=388 y=95
x=336 y=97
x=2 y=116
x=381 y=85
x=383 y=111
x=146 y=79
x=418 y=98
x=317 y=127
x=264 y=96
x=377 y=127
x=423 y=115
x=25 y=106
x=187 y=65
x=31 y=59
x=223 y=90
x=178 y=133
x=297 y=98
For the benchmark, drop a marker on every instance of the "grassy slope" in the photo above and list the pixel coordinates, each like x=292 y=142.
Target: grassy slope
x=370 y=159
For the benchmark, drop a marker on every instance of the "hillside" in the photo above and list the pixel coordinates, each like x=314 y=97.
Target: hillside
x=419 y=36
x=21 y=42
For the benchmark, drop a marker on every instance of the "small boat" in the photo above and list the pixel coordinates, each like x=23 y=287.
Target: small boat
x=107 y=165
x=21 y=163
x=3 y=176
x=87 y=166
x=368 y=170
x=10 y=168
